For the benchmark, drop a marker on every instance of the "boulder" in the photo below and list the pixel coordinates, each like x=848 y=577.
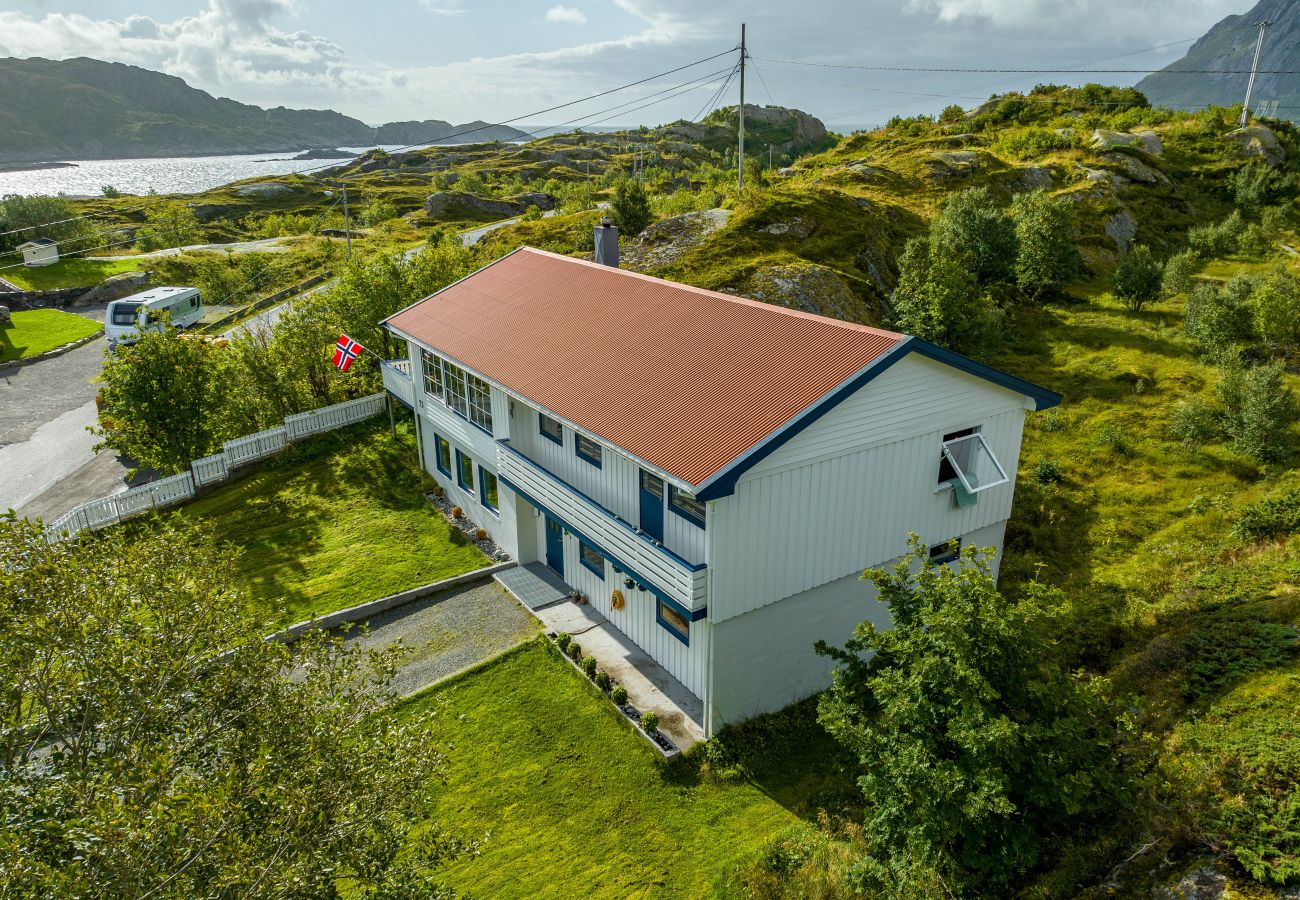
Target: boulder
x=1258 y=141
x=4 y=316
x=1199 y=884
x=663 y=243
x=1033 y=178
x=798 y=227
x=1151 y=143
x=541 y=200
x=115 y=287
x=444 y=203
x=1136 y=169
x=1121 y=228
x=863 y=171
x=954 y=163
x=785 y=171
x=268 y=188
x=206 y=211
x=1103 y=139
x=1067 y=133
x=809 y=288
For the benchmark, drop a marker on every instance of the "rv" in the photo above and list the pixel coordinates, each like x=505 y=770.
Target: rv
x=126 y=320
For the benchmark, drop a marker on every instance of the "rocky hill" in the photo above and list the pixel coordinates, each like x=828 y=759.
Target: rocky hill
x=789 y=132
x=1230 y=45
x=89 y=109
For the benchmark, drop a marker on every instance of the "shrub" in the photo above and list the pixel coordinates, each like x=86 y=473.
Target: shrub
x=1253 y=185
x=1216 y=318
x=1194 y=422
x=938 y=299
x=1050 y=421
x=618 y=694
x=630 y=208
x=589 y=666
x=603 y=681
x=1272 y=517
x=1048 y=471
x=1259 y=409
x=575 y=651
x=480 y=534
x=1217 y=240
x=1179 y=273
x=1276 y=306
x=457 y=512
x=1254 y=241
x=1138 y=277
x=1111 y=436
x=1046 y=258
x=952 y=113
x=649 y=721
x=562 y=640
x=1031 y=142
x=973 y=231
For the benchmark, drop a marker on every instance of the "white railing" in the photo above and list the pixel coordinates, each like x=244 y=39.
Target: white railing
x=105 y=511
x=398 y=381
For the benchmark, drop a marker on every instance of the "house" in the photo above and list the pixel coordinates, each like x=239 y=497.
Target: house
x=40 y=252
x=713 y=473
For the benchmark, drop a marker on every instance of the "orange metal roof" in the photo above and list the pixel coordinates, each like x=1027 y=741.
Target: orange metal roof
x=683 y=378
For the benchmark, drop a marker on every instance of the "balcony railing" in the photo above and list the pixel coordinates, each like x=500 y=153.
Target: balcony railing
x=398 y=381
x=627 y=547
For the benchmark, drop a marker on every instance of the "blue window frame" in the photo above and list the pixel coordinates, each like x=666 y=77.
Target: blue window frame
x=588 y=449
x=464 y=471
x=487 y=488
x=946 y=552
x=591 y=559
x=550 y=428
x=672 y=621
x=685 y=505
x=442 y=454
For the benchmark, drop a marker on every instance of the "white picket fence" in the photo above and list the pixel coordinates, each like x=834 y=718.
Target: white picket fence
x=239 y=452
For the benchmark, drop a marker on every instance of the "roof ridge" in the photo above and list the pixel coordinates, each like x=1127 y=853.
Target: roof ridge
x=731 y=298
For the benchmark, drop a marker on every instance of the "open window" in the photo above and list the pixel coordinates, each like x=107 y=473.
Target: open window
x=968 y=460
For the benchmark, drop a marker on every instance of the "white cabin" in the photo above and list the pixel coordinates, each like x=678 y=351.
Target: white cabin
x=729 y=467
x=39 y=252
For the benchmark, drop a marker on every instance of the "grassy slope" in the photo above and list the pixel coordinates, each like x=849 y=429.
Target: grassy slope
x=35 y=331
x=574 y=800
x=72 y=272
x=335 y=522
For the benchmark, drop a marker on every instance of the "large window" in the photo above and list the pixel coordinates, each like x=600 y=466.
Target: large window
x=587 y=449
x=685 y=505
x=591 y=559
x=551 y=428
x=465 y=471
x=454 y=376
x=487 y=488
x=677 y=624
x=480 y=402
x=432 y=375
x=444 y=454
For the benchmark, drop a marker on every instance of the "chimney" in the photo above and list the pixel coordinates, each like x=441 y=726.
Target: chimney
x=607 y=243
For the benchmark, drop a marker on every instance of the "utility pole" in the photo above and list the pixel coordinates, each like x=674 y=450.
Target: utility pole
x=347 y=222
x=1254 y=67
x=740 y=162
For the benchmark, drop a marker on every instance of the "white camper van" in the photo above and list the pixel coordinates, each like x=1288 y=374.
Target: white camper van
x=127 y=319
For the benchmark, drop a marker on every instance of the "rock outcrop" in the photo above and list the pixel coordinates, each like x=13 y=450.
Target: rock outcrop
x=115 y=287
x=663 y=243
x=809 y=288
x=1146 y=141
x=448 y=203
x=1259 y=142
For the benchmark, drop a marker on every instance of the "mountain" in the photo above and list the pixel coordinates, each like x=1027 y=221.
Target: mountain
x=1231 y=45
x=89 y=109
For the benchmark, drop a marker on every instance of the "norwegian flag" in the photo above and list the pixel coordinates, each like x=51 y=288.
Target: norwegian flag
x=345 y=352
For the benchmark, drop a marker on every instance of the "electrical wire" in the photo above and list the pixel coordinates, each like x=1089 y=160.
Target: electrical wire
x=761 y=80
x=799 y=62
x=712 y=102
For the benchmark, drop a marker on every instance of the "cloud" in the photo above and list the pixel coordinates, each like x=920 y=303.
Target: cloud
x=444 y=7
x=1148 y=21
x=570 y=14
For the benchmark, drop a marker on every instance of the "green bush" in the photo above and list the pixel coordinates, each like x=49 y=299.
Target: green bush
x=1031 y=142
x=1216 y=318
x=973 y=231
x=1046 y=257
x=1111 y=436
x=618 y=694
x=1259 y=409
x=649 y=721
x=1138 y=277
x=1048 y=471
x=1276 y=306
x=603 y=681
x=589 y=666
x=1209 y=241
x=562 y=640
x=1194 y=422
x=1179 y=274
x=575 y=651
x=1254 y=185
x=1272 y=517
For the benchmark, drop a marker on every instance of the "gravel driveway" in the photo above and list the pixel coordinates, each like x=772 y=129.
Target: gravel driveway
x=450 y=631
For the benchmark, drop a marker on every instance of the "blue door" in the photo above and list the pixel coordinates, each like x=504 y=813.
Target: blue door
x=652 y=505
x=555 y=546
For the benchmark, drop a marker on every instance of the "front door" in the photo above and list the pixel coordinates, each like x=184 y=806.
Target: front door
x=555 y=546
x=652 y=505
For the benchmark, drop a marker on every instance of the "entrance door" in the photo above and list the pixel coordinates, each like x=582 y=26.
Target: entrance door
x=652 y=505
x=555 y=546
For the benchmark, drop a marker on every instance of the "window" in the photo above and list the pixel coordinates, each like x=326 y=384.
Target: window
x=480 y=402
x=946 y=552
x=126 y=313
x=487 y=488
x=946 y=472
x=677 y=624
x=587 y=449
x=685 y=505
x=551 y=428
x=432 y=376
x=591 y=559
x=454 y=378
x=444 y=455
x=971 y=460
x=465 y=471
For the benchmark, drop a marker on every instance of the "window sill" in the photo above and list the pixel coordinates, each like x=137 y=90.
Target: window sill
x=946 y=486
x=698 y=523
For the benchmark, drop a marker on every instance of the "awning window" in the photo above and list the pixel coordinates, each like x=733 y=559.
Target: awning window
x=973 y=462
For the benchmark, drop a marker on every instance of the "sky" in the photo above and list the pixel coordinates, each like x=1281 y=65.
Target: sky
x=499 y=60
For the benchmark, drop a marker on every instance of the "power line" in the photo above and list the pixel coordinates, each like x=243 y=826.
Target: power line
x=763 y=82
x=799 y=62
x=712 y=102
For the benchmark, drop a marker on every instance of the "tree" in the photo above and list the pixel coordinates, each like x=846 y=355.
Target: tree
x=1258 y=409
x=1179 y=274
x=1276 y=306
x=1217 y=318
x=974 y=745
x=972 y=227
x=56 y=218
x=161 y=400
x=1138 y=277
x=630 y=208
x=171 y=223
x=1046 y=258
x=938 y=299
x=155 y=744
x=952 y=113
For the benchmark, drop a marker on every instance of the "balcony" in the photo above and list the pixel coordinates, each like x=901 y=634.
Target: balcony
x=627 y=547
x=398 y=381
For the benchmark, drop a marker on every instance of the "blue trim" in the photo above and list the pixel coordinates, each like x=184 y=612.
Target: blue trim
x=461 y=459
x=546 y=434
x=693 y=615
x=723 y=483
x=688 y=516
x=663 y=623
x=599 y=572
x=438 y=440
x=577 y=449
x=694 y=567
x=482 y=489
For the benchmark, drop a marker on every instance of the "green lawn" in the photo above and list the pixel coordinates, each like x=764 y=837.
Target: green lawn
x=72 y=272
x=35 y=331
x=576 y=803
x=334 y=522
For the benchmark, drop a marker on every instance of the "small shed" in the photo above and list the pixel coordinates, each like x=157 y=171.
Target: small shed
x=40 y=252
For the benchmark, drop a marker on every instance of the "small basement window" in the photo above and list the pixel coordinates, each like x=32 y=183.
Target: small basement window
x=591 y=559
x=487 y=488
x=968 y=460
x=587 y=449
x=676 y=624
x=551 y=428
x=946 y=552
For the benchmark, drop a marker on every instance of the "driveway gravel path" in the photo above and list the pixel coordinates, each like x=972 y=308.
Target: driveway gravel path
x=450 y=631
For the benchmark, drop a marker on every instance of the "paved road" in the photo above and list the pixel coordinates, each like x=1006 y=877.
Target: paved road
x=264 y=245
